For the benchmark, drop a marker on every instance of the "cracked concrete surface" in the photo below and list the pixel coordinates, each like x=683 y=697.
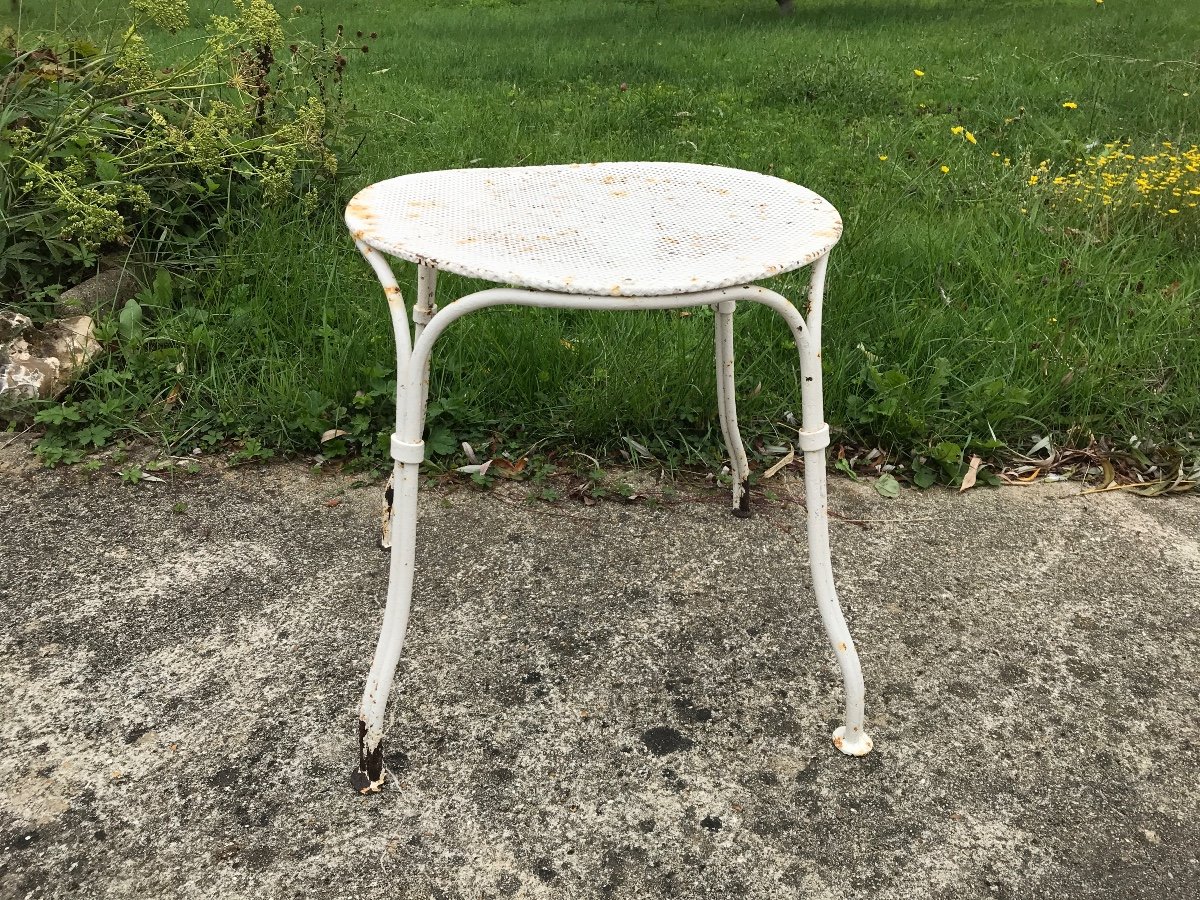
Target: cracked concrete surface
x=605 y=702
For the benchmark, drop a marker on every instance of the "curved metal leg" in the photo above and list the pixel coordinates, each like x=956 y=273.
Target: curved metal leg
x=727 y=407
x=423 y=310
x=370 y=774
x=851 y=738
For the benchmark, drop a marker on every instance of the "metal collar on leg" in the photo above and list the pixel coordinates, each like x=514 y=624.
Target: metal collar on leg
x=403 y=452
x=818 y=439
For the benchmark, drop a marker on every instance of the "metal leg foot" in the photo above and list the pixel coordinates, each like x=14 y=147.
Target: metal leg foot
x=859 y=744
x=368 y=777
x=743 y=510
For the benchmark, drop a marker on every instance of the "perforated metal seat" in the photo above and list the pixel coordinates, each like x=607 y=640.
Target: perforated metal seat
x=627 y=236
x=627 y=229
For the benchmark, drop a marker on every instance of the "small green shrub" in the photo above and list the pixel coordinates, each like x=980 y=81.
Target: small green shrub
x=108 y=148
x=912 y=412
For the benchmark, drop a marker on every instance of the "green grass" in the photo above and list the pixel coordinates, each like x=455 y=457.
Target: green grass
x=962 y=306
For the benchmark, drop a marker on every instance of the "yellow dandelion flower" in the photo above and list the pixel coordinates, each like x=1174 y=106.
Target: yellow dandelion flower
x=918 y=73
x=995 y=153
x=971 y=138
x=1173 y=211
x=945 y=170
x=1033 y=179
x=883 y=157
x=957 y=129
x=1070 y=104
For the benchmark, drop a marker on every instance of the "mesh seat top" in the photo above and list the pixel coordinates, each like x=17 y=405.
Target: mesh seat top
x=623 y=229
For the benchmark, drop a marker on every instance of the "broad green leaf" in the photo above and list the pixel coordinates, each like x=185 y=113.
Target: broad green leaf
x=129 y=319
x=843 y=465
x=106 y=166
x=887 y=486
x=163 y=289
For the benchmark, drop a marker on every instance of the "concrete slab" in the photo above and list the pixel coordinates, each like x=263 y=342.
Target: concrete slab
x=605 y=702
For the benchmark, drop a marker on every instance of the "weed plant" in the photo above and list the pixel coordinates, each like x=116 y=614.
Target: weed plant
x=106 y=148
x=971 y=303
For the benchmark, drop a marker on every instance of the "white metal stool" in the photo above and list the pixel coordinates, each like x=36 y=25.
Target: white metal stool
x=597 y=236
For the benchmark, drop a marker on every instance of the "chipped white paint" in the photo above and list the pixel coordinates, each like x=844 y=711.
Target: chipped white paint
x=632 y=236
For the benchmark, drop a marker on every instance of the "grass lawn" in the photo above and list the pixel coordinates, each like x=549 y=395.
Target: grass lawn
x=971 y=300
